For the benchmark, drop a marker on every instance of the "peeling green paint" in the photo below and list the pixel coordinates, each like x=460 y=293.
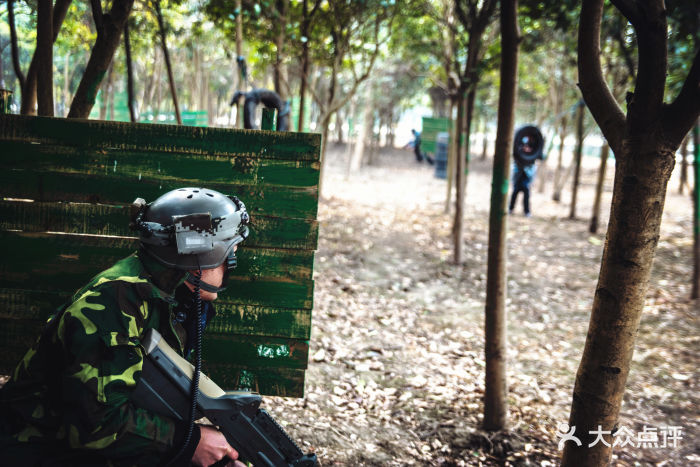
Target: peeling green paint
x=273 y=351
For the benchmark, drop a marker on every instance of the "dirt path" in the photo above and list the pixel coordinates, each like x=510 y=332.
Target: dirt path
x=396 y=370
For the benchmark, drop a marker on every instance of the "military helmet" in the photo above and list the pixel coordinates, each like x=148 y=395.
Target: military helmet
x=191 y=228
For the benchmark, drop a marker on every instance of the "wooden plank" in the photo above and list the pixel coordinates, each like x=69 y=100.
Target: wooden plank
x=164 y=138
x=101 y=219
x=231 y=317
x=284 y=382
x=107 y=189
x=255 y=351
x=252 y=370
x=131 y=164
x=55 y=262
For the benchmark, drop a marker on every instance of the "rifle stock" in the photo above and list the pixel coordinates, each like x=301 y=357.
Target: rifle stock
x=164 y=388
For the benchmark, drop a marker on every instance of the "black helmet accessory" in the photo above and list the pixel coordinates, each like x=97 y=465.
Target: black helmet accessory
x=191 y=229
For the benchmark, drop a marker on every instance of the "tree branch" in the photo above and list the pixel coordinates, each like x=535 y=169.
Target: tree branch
x=97 y=15
x=629 y=10
x=14 y=46
x=682 y=113
x=595 y=91
x=649 y=23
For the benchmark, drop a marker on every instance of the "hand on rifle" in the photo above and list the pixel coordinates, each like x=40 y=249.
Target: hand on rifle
x=212 y=448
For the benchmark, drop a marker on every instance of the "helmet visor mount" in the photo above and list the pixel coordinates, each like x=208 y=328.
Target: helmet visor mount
x=191 y=228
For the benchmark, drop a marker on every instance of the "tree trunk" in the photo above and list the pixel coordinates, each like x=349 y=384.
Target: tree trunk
x=695 y=293
x=241 y=80
x=149 y=91
x=458 y=224
x=66 y=84
x=355 y=161
x=280 y=76
x=164 y=45
x=558 y=184
x=129 y=74
x=339 y=120
x=106 y=92
x=577 y=159
x=325 y=122
x=44 y=54
x=604 y=151
x=495 y=405
x=100 y=58
x=29 y=90
x=14 y=46
x=684 y=165
x=451 y=157
x=644 y=143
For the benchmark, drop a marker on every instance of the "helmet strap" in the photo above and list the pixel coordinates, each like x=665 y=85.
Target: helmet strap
x=191 y=278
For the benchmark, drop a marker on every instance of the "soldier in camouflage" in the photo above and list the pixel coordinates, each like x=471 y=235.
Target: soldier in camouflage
x=69 y=400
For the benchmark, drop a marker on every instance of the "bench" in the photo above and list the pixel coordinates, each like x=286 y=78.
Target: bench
x=64 y=211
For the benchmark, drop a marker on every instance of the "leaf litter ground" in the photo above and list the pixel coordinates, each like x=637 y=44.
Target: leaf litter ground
x=396 y=370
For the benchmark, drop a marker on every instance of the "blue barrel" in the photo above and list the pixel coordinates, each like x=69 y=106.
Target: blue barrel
x=442 y=142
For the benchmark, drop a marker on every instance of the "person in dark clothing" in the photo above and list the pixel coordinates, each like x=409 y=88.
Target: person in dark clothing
x=522 y=176
x=269 y=99
x=416 y=148
x=527 y=148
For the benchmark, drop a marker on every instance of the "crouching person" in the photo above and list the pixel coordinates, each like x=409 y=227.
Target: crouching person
x=69 y=400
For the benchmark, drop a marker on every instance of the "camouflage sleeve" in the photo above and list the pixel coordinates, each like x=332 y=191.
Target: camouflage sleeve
x=99 y=333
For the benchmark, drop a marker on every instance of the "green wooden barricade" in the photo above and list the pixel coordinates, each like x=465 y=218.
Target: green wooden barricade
x=66 y=189
x=431 y=128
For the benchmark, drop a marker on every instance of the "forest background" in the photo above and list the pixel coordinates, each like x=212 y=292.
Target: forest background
x=351 y=71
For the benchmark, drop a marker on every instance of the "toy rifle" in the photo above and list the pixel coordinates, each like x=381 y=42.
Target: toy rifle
x=165 y=386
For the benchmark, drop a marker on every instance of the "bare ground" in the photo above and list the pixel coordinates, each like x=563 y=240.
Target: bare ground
x=396 y=373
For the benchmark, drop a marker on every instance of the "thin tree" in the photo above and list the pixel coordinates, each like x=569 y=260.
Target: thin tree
x=558 y=184
x=239 y=71
x=684 y=165
x=578 y=155
x=29 y=91
x=495 y=406
x=604 y=152
x=13 y=44
x=129 y=74
x=162 y=32
x=475 y=20
x=109 y=30
x=644 y=143
x=44 y=55
x=695 y=292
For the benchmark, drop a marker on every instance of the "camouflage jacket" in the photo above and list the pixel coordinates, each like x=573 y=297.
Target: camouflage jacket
x=69 y=397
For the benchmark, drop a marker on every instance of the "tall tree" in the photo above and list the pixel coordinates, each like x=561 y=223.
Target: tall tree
x=495 y=407
x=357 y=31
x=475 y=16
x=695 y=292
x=109 y=30
x=13 y=44
x=129 y=74
x=644 y=142
x=163 y=33
x=578 y=156
x=305 y=29
x=29 y=91
x=44 y=54
x=604 y=152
